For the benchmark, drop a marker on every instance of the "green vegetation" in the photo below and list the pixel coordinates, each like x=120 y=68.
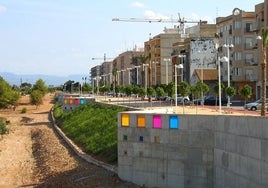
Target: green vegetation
x=3 y=127
x=246 y=92
x=8 y=95
x=23 y=110
x=38 y=92
x=93 y=127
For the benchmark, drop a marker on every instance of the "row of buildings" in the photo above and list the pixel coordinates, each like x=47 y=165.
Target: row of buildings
x=230 y=45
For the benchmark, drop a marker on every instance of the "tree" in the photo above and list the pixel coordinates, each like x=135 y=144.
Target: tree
x=170 y=89
x=36 y=98
x=150 y=92
x=8 y=96
x=184 y=89
x=246 y=92
x=128 y=90
x=40 y=86
x=264 y=70
x=142 y=92
x=202 y=88
x=160 y=92
x=230 y=91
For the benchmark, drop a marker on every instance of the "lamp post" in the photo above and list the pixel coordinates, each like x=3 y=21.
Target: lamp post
x=129 y=69
x=180 y=66
x=123 y=80
x=97 y=83
x=166 y=61
x=137 y=72
x=219 y=73
x=182 y=56
x=155 y=63
x=118 y=76
x=145 y=84
x=227 y=60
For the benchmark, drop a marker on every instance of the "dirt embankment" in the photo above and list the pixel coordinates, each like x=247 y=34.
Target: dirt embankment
x=33 y=155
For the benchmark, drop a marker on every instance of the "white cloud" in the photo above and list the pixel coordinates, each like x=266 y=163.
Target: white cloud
x=2 y=9
x=137 y=4
x=152 y=15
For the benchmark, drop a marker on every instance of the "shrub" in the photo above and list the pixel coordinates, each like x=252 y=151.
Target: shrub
x=23 y=110
x=3 y=127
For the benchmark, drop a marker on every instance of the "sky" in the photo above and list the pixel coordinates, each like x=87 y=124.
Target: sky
x=60 y=37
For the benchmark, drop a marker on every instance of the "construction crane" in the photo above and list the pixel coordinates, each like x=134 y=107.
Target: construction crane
x=104 y=58
x=180 y=20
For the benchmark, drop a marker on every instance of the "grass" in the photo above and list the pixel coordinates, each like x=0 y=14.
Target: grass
x=94 y=128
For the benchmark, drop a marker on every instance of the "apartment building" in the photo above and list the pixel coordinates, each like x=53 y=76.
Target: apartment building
x=122 y=70
x=197 y=53
x=237 y=41
x=159 y=50
x=261 y=22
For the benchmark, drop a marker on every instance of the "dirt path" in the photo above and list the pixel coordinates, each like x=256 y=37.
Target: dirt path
x=32 y=155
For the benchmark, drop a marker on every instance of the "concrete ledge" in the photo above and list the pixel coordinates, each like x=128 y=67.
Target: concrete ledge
x=78 y=151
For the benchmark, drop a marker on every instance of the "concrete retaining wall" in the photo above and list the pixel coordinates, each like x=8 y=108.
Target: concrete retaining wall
x=202 y=151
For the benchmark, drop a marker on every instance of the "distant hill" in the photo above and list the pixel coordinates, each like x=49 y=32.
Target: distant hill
x=17 y=79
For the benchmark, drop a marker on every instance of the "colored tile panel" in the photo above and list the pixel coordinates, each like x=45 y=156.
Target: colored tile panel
x=141 y=121
x=125 y=120
x=173 y=122
x=157 y=121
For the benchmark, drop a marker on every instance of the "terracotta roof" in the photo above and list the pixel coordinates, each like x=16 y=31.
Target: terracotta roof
x=208 y=74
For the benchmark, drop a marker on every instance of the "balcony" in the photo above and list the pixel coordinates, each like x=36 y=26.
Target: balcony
x=250 y=77
x=251 y=62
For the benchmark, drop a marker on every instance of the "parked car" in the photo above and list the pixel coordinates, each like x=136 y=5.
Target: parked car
x=180 y=99
x=211 y=100
x=256 y=105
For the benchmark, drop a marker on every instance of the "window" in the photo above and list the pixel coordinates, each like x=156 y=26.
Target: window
x=249 y=43
x=237 y=56
x=248 y=27
x=237 y=24
x=249 y=59
x=237 y=40
x=237 y=71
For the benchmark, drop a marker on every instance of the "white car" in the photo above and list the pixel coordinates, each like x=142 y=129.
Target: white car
x=255 y=105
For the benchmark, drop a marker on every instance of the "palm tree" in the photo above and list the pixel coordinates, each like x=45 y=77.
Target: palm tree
x=264 y=70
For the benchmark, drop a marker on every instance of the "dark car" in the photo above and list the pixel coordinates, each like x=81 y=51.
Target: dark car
x=211 y=100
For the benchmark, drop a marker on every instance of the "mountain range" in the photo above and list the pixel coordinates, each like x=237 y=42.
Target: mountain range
x=50 y=80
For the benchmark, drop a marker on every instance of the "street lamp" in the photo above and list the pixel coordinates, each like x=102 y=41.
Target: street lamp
x=180 y=66
x=155 y=63
x=166 y=61
x=181 y=56
x=263 y=72
x=129 y=69
x=118 y=76
x=97 y=83
x=227 y=60
x=145 y=65
x=123 y=81
x=219 y=73
x=137 y=76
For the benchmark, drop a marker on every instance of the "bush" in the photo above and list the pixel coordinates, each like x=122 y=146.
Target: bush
x=3 y=127
x=23 y=110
